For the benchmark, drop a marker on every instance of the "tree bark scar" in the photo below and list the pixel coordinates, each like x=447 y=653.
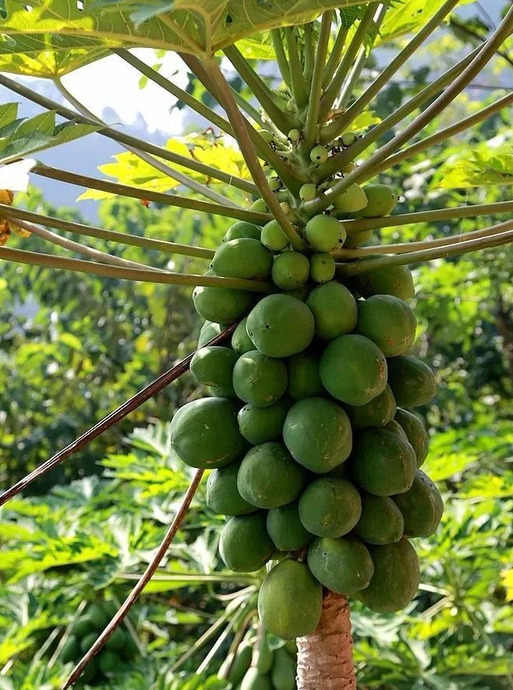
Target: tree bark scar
x=325 y=658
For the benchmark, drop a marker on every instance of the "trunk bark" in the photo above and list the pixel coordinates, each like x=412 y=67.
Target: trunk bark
x=325 y=658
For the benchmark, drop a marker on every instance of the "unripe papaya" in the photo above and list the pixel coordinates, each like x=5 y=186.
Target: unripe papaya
x=241 y=342
x=290 y=600
x=97 y=616
x=221 y=305
x=241 y=663
x=395 y=580
x=342 y=565
x=222 y=493
x=389 y=322
x=242 y=258
x=264 y=657
x=261 y=424
x=242 y=229
x=70 y=651
x=396 y=428
x=259 y=380
x=322 y=267
x=325 y=233
x=411 y=380
x=117 y=640
x=286 y=529
x=253 y=680
x=273 y=237
x=109 y=661
x=281 y=326
x=378 y=412
x=357 y=239
x=304 y=378
x=208 y=331
x=87 y=642
x=318 y=434
x=382 y=462
x=83 y=626
x=416 y=432
x=353 y=369
x=205 y=433
x=381 y=521
x=268 y=476
x=319 y=154
x=284 y=671
x=330 y=507
x=351 y=200
x=290 y=270
x=334 y=309
x=391 y=280
x=213 y=366
x=422 y=507
x=381 y=201
x=245 y=545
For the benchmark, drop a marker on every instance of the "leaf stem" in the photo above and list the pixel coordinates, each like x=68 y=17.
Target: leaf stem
x=297 y=80
x=261 y=91
x=425 y=117
x=281 y=56
x=308 y=54
x=335 y=56
x=473 y=211
x=502 y=234
x=141 y=193
x=244 y=141
x=138 y=275
x=314 y=103
x=345 y=66
x=110 y=235
x=160 y=152
x=347 y=118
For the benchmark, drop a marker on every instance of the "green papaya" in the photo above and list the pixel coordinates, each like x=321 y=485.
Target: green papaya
x=353 y=369
x=213 y=366
x=83 y=626
x=318 y=434
x=290 y=600
x=330 y=507
x=108 y=661
x=253 y=680
x=304 y=380
x=268 y=476
x=90 y=672
x=342 y=565
x=222 y=493
x=334 y=309
x=261 y=424
x=281 y=326
x=411 y=380
x=416 y=432
x=390 y=280
x=70 y=651
x=242 y=229
x=208 y=331
x=389 y=322
x=383 y=463
x=97 y=616
x=243 y=258
x=264 y=657
x=325 y=233
x=351 y=200
x=221 y=305
x=259 y=380
x=286 y=529
x=117 y=640
x=381 y=201
x=396 y=428
x=241 y=663
x=273 y=237
x=322 y=267
x=396 y=577
x=422 y=507
x=241 y=342
x=283 y=671
x=378 y=412
x=357 y=239
x=290 y=270
x=381 y=521
x=245 y=545
x=205 y=433
x=87 y=642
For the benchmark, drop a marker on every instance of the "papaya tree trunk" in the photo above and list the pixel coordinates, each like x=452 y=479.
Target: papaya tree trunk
x=325 y=658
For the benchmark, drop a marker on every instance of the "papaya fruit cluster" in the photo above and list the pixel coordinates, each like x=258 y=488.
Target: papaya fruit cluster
x=316 y=454
x=263 y=662
x=120 y=649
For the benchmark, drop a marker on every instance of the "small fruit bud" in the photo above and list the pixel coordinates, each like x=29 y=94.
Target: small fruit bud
x=308 y=192
x=319 y=154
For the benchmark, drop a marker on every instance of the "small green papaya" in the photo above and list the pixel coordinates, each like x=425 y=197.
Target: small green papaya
x=261 y=424
x=389 y=322
x=416 y=432
x=283 y=671
x=208 y=331
x=273 y=237
x=241 y=663
x=259 y=380
x=70 y=651
x=281 y=326
x=87 y=642
x=221 y=305
x=241 y=342
x=330 y=507
x=322 y=267
x=253 y=680
x=242 y=258
x=290 y=270
x=304 y=380
x=334 y=309
x=351 y=200
x=378 y=412
x=83 y=626
x=109 y=661
x=342 y=565
x=264 y=657
x=213 y=366
x=381 y=521
x=242 y=229
x=117 y=640
x=422 y=507
x=290 y=600
x=222 y=493
x=245 y=545
x=325 y=233
x=381 y=201
x=412 y=382
x=391 y=280
x=286 y=529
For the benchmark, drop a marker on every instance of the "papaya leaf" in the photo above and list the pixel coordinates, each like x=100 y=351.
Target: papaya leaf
x=481 y=167
x=20 y=137
x=52 y=28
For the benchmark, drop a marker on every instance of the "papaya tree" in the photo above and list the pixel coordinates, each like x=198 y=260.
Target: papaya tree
x=313 y=451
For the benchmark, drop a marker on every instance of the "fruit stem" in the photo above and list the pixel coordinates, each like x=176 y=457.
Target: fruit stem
x=342 y=122
x=502 y=234
x=111 y=235
x=260 y=90
x=297 y=80
x=246 y=147
x=160 y=152
x=135 y=274
x=325 y=658
x=345 y=66
x=281 y=56
x=141 y=193
x=429 y=114
x=312 y=116
x=176 y=175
